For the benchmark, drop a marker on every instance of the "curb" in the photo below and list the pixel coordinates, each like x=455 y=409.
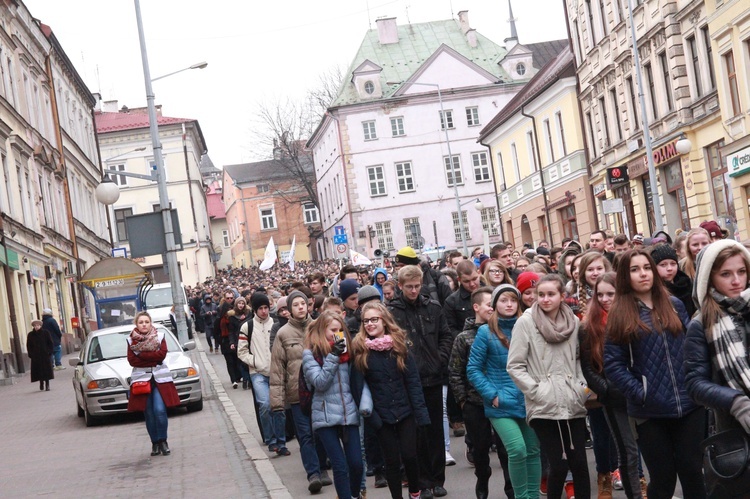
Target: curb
x=271 y=480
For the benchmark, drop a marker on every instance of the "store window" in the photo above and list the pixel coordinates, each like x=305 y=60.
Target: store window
x=722 y=196
x=568 y=222
x=676 y=187
x=628 y=223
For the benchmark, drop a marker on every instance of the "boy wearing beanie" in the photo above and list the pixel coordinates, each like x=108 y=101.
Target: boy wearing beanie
x=678 y=282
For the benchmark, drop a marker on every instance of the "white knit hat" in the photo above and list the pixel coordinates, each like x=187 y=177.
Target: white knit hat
x=705 y=262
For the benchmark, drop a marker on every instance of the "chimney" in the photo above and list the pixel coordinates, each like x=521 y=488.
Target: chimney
x=109 y=106
x=471 y=37
x=463 y=21
x=387 y=30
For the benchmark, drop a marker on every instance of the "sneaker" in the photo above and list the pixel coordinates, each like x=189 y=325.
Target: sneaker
x=570 y=493
x=234 y=385
x=458 y=429
x=426 y=494
x=543 y=486
x=449 y=461
x=616 y=480
x=644 y=488
x=439 y=491
x=273 y=448
x=283 y=451
x=469 y=457
x=324 y=478
x=415 y=495
x=380 y=481
x=314 y=485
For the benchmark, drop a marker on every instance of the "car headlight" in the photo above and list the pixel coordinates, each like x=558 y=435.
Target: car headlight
x=183 y=373
x=95 y=384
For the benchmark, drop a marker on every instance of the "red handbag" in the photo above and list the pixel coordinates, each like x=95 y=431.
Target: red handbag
x=140 y=388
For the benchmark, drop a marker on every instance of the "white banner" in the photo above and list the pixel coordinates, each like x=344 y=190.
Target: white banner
x=269 y=257
x=291 y=252
x=359 y=258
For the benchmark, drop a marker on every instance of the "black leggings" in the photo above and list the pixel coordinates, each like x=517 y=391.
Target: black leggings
x=572 y=434
x=399 y=444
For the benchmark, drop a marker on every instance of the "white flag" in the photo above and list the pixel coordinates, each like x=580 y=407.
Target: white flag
x=359 y=258
x=269 y=257
x=291 y=252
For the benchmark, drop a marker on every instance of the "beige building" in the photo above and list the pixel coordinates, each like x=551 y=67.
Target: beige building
x=125 y=145
x=681 y=99
x=52 y=225
x=729 y=27
x=539 y=160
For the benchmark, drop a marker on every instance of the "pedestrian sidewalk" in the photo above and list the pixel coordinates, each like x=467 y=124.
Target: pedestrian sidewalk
x=49 y=451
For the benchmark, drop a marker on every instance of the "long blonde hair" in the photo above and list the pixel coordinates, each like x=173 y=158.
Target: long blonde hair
x=688 y=264
x=315 y=335
x=400 y=343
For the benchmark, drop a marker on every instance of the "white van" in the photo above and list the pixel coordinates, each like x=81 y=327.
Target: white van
x=158 y=303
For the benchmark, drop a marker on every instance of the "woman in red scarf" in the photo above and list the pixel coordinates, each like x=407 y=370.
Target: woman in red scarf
x=147 y=350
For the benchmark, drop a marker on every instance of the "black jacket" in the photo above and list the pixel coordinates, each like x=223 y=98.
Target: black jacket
x=50 y=324
x=353 y=320
x=435 y=285
x=607 y=393
x=431 y=338
x=463 y=390
x=395 y=394
x=681 y=288
x=457 y=309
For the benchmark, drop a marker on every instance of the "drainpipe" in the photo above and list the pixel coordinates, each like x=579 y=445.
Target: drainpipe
x=494 y=187
x=541 y=174
x=66 y=189
x=16 y=338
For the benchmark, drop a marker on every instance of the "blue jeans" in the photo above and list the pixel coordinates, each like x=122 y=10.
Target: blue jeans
x=273 y=424
x=244 y=371
x=57 y=353
x=306 y=441
x=156 y=416
x=605 y=452
x=346 y=462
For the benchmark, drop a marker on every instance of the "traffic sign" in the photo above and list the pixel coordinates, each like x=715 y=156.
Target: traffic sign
x=339 y=230
x=340 y=239
x=341 y=249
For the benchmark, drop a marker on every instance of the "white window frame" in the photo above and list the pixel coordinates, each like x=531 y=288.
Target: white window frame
x=457 y=226
x=369 y=131
x=378 y=182
x=472 y=116
x=448 y=119
x=226 y=241
x=489 y=221
x=384 y=235
x=119 y=180
x=267 y=222
x=397 y=126
x=450 y=171
x=310 y=213
x=481 y=164
x=402 y=177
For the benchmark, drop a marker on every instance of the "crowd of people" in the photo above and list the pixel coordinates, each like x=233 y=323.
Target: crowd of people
x=371 y=368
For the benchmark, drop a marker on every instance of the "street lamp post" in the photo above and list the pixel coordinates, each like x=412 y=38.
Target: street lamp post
x=655 y=201
x=450 y=157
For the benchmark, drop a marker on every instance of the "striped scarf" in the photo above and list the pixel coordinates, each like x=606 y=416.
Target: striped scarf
x=727 y=342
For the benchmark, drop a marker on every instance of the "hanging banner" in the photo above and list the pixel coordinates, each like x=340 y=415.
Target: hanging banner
x=291 y=252
x=359 y=258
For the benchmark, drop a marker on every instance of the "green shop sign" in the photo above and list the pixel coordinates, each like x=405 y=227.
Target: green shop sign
x=738 y=163
x=13 y=259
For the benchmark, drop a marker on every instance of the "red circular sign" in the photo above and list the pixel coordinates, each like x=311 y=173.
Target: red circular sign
x=616 y=173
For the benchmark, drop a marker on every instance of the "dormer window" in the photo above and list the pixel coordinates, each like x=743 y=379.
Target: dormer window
x=520 y=69
x=369 y=87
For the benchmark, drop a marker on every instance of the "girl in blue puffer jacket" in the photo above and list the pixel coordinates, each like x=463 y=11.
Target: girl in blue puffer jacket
x=335 y=418
x=504 y=403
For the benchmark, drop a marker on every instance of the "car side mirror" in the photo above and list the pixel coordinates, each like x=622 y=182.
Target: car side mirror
x=75 y=362
x=190 y=345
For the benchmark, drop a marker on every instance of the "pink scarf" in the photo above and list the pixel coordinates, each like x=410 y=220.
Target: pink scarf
x=148 y=342
x=381 y=344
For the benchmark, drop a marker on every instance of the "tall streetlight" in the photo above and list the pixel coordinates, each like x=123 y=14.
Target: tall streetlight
x=106 y=188
x=655 y=201
x=450 y=156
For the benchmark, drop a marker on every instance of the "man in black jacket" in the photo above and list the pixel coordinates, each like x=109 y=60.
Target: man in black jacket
x=424 y=323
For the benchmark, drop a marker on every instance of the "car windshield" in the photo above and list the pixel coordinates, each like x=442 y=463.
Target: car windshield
x=158 y=298
x=115 y=346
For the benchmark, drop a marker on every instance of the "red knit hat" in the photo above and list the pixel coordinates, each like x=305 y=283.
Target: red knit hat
x=527 y=280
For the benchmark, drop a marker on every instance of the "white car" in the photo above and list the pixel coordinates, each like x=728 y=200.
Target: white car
x=101 y=380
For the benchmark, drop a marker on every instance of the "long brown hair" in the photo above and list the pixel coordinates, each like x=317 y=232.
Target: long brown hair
x=400 y=345
x=495 y=327
x=315 y=335
x=621 y=326
x=595 y=323
x=710 y=309
x=495 y=263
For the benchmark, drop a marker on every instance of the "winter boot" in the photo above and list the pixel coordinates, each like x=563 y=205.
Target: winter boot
x=604 y=482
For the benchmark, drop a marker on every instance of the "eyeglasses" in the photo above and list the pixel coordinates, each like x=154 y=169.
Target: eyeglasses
x=371 y=320
x=496 y=271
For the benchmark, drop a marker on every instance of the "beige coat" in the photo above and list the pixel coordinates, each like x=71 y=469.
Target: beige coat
x=548 y=374
x=286 y=359
x=257 y=352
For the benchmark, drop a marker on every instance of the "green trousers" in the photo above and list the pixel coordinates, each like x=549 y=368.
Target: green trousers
x=524 y=466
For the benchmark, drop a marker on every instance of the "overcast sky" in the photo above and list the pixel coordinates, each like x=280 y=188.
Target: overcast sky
x=256 y=51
